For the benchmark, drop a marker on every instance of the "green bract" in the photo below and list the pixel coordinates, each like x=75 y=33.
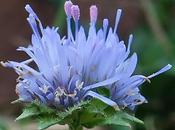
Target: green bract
x=85 y=114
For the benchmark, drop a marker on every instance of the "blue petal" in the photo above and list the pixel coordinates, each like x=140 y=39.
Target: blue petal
x=103 y=99
x=164 y=69
x=127 y=68
x=103 y=83
x=23 y=94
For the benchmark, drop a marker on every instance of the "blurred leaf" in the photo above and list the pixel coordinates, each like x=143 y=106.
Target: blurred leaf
x=3 y=125
x=28 y=112
x=46 y=121
x=96 y=106
x=121 y=118
x=93 y=113
x=57 y=3
x=71 y=110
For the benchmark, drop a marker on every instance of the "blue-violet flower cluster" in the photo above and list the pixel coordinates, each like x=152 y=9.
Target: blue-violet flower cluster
x=70 y=69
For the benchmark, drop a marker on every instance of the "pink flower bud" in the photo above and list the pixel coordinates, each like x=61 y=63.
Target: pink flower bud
x=75 y=11
x=67 y=8
x=93 y=13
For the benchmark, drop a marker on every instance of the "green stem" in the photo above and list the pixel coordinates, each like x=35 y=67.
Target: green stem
x=75 y=127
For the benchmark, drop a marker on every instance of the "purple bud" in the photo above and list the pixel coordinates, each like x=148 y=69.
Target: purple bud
x=67 y=8
x=75 y=11
x=93 y=13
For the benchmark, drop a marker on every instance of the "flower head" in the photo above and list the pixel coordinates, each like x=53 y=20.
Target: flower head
x=70 y=69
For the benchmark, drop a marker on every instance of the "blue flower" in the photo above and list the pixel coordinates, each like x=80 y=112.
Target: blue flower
x=68 y=70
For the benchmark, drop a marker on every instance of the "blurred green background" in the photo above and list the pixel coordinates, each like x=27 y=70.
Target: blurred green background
x=151 y=21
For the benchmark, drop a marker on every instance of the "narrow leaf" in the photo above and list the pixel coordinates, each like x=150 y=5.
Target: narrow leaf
x=47 y=121
x=28 y=112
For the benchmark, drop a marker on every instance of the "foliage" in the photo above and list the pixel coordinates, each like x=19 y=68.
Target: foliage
x=3 y=125
x=158 y=114
x=87 y=114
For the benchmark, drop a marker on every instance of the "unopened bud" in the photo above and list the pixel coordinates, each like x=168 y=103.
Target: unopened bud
x=93 y=13
x=75 y=11
x=67 y=8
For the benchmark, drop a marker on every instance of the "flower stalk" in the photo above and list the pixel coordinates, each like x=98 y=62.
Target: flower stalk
x=75 y=127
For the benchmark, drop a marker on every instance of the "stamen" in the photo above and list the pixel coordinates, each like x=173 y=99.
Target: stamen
x=93 y=14
x=59 y=92
x=117 y=19
x=44 y=89
x=67 y=8
x=71 y=94
x=79 y=85
x=33 y=24
x=33 y=14
x=30 y=11
x=75 y=11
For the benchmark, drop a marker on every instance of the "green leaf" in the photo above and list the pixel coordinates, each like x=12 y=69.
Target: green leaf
x=71 y=110
x=46 y=121
x=88 y=114
x=3 y=125
x=93 y=113
x=43 y=109
x=115 y=120
x=28 y=112
x=132 y=118
x=98 y=113
x=96 y=106
x=46 y=116
x=90 y=120
x=121 y=118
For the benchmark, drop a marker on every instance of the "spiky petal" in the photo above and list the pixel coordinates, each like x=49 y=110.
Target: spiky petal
x=70 y=70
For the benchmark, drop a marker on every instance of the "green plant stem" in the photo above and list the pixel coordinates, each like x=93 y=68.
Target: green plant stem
x=75 y=127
